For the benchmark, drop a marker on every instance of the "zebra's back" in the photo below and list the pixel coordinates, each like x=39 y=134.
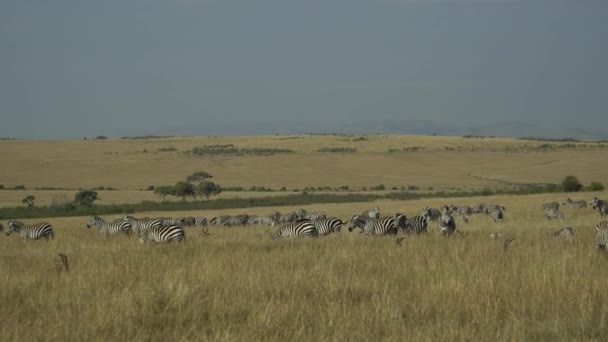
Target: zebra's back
x=164 y=234
x=565 y=233
x=297 y=229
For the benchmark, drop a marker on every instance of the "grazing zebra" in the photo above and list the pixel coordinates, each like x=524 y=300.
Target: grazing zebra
x=460 y=210
x=284 y=218
x=164 y=234
x=553 y=214
x=565 y=233
x=600 y=205
x=110 y=228
x=416 y=224
x=492 y=207
x=189 y=221
x=238 y=220
x=30 y=231
x=176 y=221
x=575 y=204
x=601 y=235
x=497 y=215
x=315 y=215
x=328 y=225
x=478 y=208
x=267 y=220
x=200 y=221
x=432 y=213
x=380 y=226
x=138 y=225
x=551 y=205
x=219 y=220
x=447 y=224
x=296 y=229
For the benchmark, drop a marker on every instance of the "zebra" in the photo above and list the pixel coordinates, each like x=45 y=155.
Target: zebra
x=381 y=226
x=565 y=233
x=600 y=205
x=238 y=220
x=460 y=210
x=315 y=215
x=189 y=221
x=328 y=225
x=433 y=214
x=493 y=207
x=110 y=228
x=551 y=205
x=576 y=204
x=200 y=221
x=296 y=229
x=417 y=224
x=267 y=220
x=284 y=218
x=139 y=225
x=601 y=235
x=497 y=214
x=163 y=234
x=478 y=208
x=31 y=231
x=219 y=220
x=447 y=224
x=176 y=221
x=371 y=213
x=553 y=214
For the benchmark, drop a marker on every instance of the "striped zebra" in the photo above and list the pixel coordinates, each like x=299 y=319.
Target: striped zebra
x=110 y=228
x=328 y=225
x=460 y=210
x=478 y=208
x=314 y=215
x=601 y=235
x=575 y=204
x=139 y=225
x=238 y=220
x=200 y=221
x=565 y=233
x=284 y=218
x=219 y=220
x=447 y=224
x=601 y=206
x=553 y=214
x=163 y=234
x=380 y=226
x=174 y=221
x=261 y=220
x=296 y=229
x=31 y=231
x=433 y=213
x=371 y=213
x=496 y=214
x=551 y=205
x=493 y=207
x=417 y=224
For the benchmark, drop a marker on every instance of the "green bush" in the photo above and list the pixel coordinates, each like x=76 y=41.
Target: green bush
x=571 y=184
x=85 y=198
x=595 y=186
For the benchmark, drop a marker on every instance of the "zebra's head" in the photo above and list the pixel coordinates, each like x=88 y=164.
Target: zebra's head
x=399 y=222
x=356 y=221
x=13 y=226
x=94 y=221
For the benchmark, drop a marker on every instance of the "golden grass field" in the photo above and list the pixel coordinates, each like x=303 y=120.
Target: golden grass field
x=239 y=285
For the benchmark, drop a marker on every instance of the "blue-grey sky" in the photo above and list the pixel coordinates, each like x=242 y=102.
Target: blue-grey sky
x=81 y=68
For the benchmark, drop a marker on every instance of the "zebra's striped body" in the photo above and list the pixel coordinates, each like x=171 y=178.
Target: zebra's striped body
x=601 y=235
x=447 y=224
x=380 y=226
x=238 y=220
x=602 y=225
x=488 y=208
x=478 y=208
x=164 y=234
x=314 y=215
x=174 y=221
x=328 y=225
x=432 y=213
x=110 y=228
x=551 y=205
x=575 y=204
x=219 y=220
x=297 y=229
x=31 y=232
x=601 y=206
x=565 y=233
x=497 y=214
x=416 y=224
x=139 y=225
x=553 y=214
x=267 y=220
x=460 y=210
x=200 y=221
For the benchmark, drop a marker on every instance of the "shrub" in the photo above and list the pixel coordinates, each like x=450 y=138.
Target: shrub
x=184 y=189
x=337 y=149
x=85 y=198
x=150 y=188
x=29 y=200
x=595 y=186
x=208 y=188
x=167 y=149
x=571 y=184
x=199 y=176
x=19 y=187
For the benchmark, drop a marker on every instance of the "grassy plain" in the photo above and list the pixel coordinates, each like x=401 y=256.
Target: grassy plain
x=238 y=284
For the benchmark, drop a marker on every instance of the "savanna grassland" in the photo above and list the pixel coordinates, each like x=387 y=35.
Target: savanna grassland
x=238 y=284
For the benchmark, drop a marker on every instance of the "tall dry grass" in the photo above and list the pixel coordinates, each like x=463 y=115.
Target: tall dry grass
x=237 y=284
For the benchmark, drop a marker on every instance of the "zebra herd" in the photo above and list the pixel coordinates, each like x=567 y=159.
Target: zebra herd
x=302 y=223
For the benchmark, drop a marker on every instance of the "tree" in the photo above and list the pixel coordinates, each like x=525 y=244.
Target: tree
x=208 y=188
x=571 y=184
x=29 y=200
x=199 y=176
x=163 y=191
x=85 y=198
x=183 y=190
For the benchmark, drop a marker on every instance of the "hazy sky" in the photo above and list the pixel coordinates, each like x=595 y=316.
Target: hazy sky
x=81 y=68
